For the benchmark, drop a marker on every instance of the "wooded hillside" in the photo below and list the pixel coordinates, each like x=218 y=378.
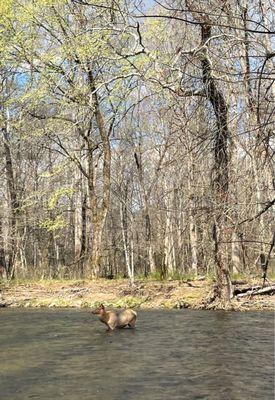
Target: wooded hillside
x=136 y=139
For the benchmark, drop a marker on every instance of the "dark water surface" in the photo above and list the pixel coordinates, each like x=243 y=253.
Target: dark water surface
x=172 y=355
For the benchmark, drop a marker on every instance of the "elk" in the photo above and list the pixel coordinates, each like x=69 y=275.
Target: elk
x=116 y=319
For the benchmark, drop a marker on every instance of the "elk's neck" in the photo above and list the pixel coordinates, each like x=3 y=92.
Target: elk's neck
x=104 y=316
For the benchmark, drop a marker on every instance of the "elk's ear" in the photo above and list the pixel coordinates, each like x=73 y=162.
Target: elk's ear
x=102 y=306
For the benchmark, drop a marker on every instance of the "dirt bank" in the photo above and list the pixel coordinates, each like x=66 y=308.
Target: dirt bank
x=119 y=293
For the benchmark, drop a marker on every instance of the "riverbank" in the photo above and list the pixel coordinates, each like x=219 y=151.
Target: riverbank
x=118 y=293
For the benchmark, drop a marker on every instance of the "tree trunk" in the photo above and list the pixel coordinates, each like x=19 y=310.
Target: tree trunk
x=96 y=254
x=193 y=244
x=193 y=228
x=80 y=224
x=3 y=265
x=220 y=177
x=98 y=208
x=237 y=258
x=169 y=248
x=13 y=205
x=126 y=242
x=169 y=245
x=149 y=246
x=147 y=218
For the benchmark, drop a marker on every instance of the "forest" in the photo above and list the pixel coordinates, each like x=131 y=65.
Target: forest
x=137 y=139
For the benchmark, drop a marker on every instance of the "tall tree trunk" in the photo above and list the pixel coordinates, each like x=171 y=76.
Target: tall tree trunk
x=193 y=228
x=13 y=205
x=149 y=245
x=151 y=266
x=220 y=177
x=126 y=241
x=193 y=244
x=3 y=265
x=169 y=247
x=96 y=253
x=80 y=223
x=98 y=208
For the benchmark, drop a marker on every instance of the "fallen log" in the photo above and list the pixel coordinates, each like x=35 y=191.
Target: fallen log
x=238 y=290
x=255 y=292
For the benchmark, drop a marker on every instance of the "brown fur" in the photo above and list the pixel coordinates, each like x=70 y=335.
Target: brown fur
x=116 y=319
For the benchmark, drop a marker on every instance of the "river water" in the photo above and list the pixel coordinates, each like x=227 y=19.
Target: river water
x=172 y=355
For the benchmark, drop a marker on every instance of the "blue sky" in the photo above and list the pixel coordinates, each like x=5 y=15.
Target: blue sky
x=148 y=3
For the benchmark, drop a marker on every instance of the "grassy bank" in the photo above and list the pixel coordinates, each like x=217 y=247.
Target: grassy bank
x=119 y=293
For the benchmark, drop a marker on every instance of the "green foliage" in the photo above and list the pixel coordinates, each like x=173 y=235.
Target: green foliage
x=129 y=301
x=57 y=169
x=6 y=34
x=156 y=276
x=6 y=13
x=177 y=276
x=58 y=222
x=56 y=196
x=125 y=302
x=55 y=224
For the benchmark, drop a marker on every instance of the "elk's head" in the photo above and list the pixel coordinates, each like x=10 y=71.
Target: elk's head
x=99 y=310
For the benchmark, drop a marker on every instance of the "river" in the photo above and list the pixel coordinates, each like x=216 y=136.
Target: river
x=67 y=354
